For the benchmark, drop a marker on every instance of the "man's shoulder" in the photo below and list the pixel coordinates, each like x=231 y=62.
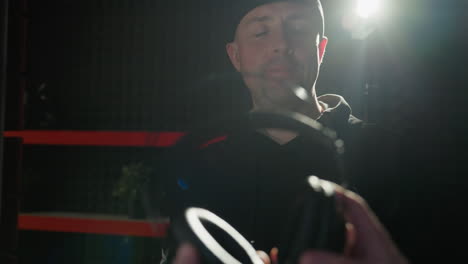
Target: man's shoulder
x=338 y=116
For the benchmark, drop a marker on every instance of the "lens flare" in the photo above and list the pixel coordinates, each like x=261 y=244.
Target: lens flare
x=367 y=8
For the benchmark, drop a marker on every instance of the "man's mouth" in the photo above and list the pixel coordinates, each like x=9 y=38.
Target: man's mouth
x=280 y=71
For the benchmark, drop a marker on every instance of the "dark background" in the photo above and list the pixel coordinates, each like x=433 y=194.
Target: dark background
x=161 y=66
x=142 y=64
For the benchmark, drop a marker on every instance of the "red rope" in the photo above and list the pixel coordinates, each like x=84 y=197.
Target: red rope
x=97 y=138
x=92 y=226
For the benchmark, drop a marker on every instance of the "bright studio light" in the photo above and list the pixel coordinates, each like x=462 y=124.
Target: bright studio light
x=367 y=8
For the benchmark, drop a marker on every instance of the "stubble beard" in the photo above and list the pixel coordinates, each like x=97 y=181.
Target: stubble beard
x=275 y=95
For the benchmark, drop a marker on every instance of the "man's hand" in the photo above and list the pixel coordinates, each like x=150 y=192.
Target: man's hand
x=367 y=240
x=187 y=254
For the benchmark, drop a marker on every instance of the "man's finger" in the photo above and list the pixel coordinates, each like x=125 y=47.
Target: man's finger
x=350 y=240
x=263 y=256
x=367 y=228
x=316 y=257
x=274 y=255
x=186 y=254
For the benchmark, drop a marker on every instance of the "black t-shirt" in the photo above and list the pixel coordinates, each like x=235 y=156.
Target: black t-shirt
x=251 y=181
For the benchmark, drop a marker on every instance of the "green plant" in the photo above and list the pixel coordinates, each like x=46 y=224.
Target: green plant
x=134 y=176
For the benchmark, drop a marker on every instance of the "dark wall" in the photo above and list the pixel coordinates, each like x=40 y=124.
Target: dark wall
x=141 y=64
x=122 y=64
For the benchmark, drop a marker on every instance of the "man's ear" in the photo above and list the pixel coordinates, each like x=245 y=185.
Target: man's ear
x=322 y=47
x=233 y=53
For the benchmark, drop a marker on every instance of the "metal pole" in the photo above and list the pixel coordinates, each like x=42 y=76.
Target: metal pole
x=3 y=76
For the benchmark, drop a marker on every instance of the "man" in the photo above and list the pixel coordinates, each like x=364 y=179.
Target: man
x=278 y=48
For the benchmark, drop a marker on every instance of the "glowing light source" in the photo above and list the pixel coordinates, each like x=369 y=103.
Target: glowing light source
x=367 y=8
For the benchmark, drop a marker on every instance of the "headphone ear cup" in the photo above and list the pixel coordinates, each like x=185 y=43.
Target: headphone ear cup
x=332 y=231
x=322 y=47
x=314 y=223
x=299 y=229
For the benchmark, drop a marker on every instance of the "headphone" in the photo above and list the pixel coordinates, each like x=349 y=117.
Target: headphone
x=313 y=220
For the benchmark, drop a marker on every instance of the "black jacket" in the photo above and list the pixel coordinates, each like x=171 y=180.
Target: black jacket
x=250 y=180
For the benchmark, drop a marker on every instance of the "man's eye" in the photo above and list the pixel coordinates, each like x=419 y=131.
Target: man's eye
x=300 y=28
x=261 y=34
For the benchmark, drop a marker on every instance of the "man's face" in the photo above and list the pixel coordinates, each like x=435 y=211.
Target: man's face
x=276 y=48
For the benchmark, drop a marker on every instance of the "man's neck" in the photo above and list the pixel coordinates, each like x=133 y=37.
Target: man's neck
x=311 y=109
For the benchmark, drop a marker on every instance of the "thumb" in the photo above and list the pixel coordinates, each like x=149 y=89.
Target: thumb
x=264 y=257
x=321 y=257
x=187 y=254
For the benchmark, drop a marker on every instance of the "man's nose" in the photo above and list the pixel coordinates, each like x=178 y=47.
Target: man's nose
x=280 y=42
